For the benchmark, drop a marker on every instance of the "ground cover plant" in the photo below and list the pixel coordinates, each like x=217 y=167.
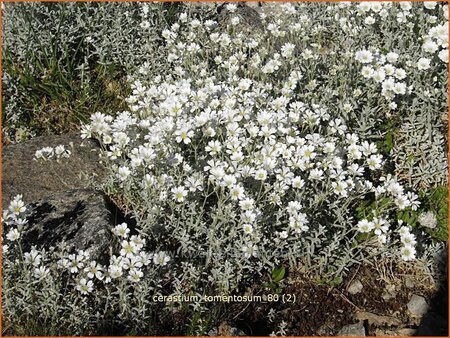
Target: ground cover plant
x=310 y=138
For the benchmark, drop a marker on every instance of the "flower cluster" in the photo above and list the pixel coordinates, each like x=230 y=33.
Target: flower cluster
x=48 y=153
x=243 y=153
x=408 y=240
x=15 y=218
x=130 y=262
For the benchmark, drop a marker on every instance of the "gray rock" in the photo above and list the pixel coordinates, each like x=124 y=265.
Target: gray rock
x=36 y=180
x=355 y=287
x=80 y=218
x=212 y=332
x=417 y=306
x=353 y=330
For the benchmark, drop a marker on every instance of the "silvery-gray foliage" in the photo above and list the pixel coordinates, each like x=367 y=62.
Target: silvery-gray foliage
x=420 y=151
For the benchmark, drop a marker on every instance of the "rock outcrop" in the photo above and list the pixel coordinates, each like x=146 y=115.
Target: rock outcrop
x=79 y=218
x=21 y=174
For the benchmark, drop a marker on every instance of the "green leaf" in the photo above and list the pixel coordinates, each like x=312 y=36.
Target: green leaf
x=278 y=274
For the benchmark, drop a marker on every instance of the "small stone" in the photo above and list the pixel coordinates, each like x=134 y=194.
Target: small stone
x=353 y=330
x=390 y=292
x=355 y=287
x=378 y=320
x=213 y=332
x=417 y=306
x=409 y=282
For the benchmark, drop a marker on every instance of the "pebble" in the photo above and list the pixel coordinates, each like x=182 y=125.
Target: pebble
x=355 y=287
x=353 y=330
x=417 y=306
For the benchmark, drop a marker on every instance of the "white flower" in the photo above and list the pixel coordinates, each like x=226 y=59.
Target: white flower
x=121 y=230
x=316 y=174
x=161 y=258
x=443 y=55
x=231 y=7
x=183 y=17
x=402 y=202
x=128 y=249
x=213 y=147
x=248 y=228
x=61 y=151
x=94 y=269
x=340 y=187
x=135 y=275
x=137 y=241
x=430 y=4
x=389 y=69
x=33 y=257
x=13 y=235
x=392 y=57
x=399 y=88
x=430 y=46
x=179 y=193
x=408 y=253
x=374 y=162
x=247 y=204
x=297 y=182
x=75 y=263
x=365 y=226
x=367 y=72
x=287 y=49
x=250 y=250
x=364 y=56
x=237 y=192
x=195 y=23
x=261 y=175
x=244 y=84
x=347 y=107
x=379 y=75
x=406 y=6
x=234 y=20
x=41 y=272
x=380 y=225
x=184 y=135
x=85 y=286
x=400 y=73
x=114 y=271
x=423 y=64
x=370 y=20
x=123 y=173
x=408 y=239
x=17 y=206
x=298 y=221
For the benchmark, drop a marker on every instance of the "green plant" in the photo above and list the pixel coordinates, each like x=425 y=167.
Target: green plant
x=275 y=280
